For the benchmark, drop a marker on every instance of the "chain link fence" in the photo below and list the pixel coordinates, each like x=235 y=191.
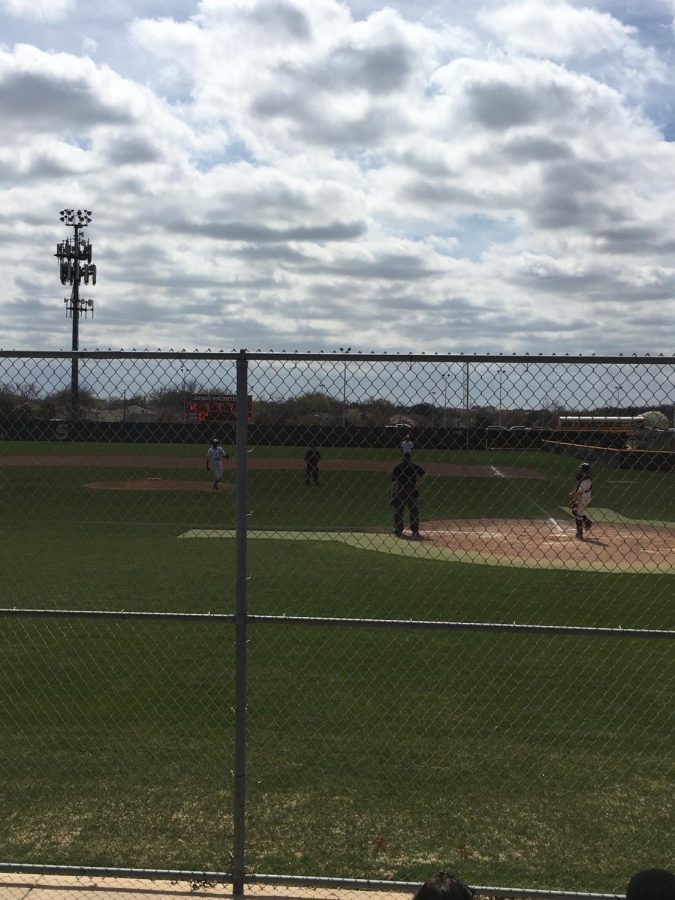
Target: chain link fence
x=324 y=666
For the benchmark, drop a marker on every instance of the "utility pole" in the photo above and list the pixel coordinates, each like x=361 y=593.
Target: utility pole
x=74 y=256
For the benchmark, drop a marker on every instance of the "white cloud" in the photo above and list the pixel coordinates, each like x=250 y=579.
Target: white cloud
x=263 y=169
x=49 y=92
x=554 y=29
x=348 y=86
x=38 y=10
x=595 y=40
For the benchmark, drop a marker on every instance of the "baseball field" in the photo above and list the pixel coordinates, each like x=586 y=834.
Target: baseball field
x=537 y=760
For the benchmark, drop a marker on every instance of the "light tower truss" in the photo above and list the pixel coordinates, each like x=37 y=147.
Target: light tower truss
x=75 y=267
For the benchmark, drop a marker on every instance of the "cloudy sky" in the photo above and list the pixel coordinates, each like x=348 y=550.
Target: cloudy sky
x=453 y=176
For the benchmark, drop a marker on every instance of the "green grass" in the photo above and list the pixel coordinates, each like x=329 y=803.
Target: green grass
x=357 y=499
x=521 y=760
x=503 y=758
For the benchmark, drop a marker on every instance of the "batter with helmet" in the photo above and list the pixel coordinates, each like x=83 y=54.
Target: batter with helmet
x=580 y=497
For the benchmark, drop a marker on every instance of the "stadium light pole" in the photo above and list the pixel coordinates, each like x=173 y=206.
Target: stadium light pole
x=74 y=256
x=433 y=393
x=322 y=404
x=446 y=379
x=500 y=373
x=344 y=386
x=183 y=369
x=466 y=399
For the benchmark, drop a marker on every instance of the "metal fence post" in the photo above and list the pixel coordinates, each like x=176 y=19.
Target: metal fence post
x=239 y=827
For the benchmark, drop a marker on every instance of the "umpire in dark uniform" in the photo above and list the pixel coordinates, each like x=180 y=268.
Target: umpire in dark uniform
x=312 y=460
x=405 y=477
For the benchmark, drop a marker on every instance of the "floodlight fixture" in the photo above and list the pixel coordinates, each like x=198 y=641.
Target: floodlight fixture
x=67 y=216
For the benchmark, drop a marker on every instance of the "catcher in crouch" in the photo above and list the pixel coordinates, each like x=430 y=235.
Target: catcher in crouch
x=580 y=497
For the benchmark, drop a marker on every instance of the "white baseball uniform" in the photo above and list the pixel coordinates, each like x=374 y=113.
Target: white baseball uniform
x=215 y=456
x=583 y=495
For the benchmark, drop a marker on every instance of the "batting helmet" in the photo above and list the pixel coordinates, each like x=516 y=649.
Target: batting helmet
x=585 y=467
x=215 y=441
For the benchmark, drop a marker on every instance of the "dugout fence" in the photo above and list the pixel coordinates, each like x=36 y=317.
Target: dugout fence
x=263 y=685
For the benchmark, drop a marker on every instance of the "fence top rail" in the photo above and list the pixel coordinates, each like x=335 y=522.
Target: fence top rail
x=19 y=613
x=522 y=628
x=334 y=356
x=420 y=624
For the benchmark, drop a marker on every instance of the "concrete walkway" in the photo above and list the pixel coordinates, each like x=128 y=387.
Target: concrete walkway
x=67 y=887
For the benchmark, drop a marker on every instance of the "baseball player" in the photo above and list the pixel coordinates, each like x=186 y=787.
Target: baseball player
x=312 y=460
x=214 y=461
x=404 y=478
x=407 y=445
x=580 y=497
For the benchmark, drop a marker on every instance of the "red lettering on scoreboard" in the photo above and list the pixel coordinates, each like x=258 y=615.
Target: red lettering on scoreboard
x=217 y=408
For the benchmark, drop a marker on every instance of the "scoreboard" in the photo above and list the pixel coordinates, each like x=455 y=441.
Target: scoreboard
x=216 y=408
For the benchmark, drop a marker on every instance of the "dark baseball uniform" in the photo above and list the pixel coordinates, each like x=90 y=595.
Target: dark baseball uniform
x=312 y=460
x=404 y=478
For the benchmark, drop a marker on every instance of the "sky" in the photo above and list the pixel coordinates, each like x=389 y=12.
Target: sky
x=450 y=177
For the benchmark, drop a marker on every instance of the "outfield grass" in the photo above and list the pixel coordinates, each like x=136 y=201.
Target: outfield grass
x=639 y=495
x=516 y=759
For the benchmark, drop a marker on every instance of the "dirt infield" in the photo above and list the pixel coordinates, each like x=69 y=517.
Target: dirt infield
x=156 y=484
x=260 y=462
x=549 y=543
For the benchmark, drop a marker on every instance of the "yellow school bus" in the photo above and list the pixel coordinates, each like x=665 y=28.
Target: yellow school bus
x=600 y=423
